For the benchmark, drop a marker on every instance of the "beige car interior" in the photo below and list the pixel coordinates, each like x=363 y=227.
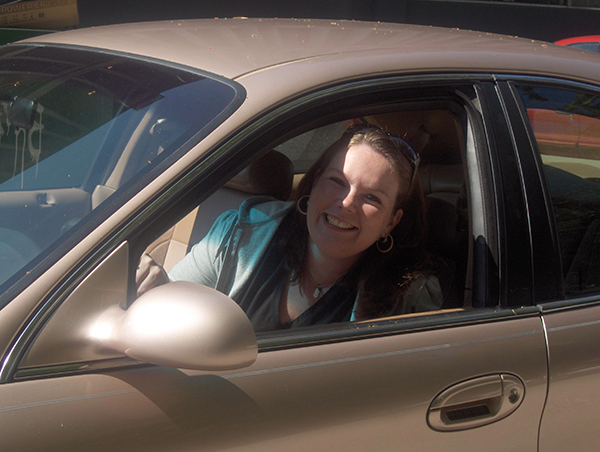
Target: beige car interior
x=436 y=134
x=270 y=175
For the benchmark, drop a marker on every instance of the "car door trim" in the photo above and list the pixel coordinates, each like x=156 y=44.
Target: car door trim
x=387 y=327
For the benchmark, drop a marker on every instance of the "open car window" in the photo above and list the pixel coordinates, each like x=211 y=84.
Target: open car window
x=77 y=126
x=438 y=135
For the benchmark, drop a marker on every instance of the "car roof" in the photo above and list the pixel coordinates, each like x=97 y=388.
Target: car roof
x=235 y=48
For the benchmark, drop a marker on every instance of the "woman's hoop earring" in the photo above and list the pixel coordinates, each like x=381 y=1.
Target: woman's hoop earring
x=382 y=241
x=299 y=207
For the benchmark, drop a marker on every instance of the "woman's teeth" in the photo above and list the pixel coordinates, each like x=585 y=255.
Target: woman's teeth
x=337 y=223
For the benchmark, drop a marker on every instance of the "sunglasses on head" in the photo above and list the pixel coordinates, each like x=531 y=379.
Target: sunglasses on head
x=407 y=151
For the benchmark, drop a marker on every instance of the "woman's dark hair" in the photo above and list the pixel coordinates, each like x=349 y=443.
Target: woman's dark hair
x=381 y=279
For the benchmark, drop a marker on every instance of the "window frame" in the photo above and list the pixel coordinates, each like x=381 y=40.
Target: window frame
x=276 y=130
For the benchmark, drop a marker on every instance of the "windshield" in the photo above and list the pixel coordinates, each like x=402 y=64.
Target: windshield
x=76 y=126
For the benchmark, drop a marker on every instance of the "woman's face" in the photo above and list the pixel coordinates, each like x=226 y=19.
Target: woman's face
x=352 y=203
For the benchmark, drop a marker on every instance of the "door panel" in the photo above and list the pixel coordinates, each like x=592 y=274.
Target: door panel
x=381 y=389
x=571 y=415
x=564 y=123
x=369 y=394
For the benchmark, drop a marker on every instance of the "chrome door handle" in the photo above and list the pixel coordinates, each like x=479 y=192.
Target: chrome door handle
x=476 y=402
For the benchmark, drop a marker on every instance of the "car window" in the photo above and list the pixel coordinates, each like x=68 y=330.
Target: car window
x=589 y=46
x=75 y=127
x=441 y=175
x=566 y=126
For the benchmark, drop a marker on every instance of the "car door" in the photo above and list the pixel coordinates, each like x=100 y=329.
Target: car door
x=471 y=375
x=569 y=175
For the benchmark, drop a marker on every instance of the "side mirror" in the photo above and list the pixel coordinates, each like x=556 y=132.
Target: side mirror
x=181 y=324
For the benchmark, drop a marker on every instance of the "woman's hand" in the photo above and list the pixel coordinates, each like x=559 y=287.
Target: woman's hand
x=149 y=275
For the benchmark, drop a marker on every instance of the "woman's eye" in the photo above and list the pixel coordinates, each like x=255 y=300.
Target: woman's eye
x=337 y=181
x=373 y=198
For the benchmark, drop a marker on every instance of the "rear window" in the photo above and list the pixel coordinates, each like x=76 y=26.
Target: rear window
x=566 y=128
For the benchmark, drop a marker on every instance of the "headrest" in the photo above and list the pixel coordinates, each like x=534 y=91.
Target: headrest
x=442 y=185
x=270 y=175
x=441 y=178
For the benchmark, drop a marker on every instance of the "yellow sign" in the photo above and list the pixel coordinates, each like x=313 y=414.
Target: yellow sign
x=40 y=14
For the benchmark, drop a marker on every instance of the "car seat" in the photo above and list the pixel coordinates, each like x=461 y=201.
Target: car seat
x=445 y=195
x=272 y=175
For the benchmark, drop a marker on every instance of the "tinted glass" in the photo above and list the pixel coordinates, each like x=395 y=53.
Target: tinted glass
x=589 y=46
x=304 y=149
x=76 y=127
x=566 y=125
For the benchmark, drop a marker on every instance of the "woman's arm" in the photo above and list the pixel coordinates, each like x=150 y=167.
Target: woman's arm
x=425 y=294
x=201 y=265
x=204 y=262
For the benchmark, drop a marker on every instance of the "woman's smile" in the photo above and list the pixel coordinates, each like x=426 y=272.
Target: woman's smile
x=333 y=221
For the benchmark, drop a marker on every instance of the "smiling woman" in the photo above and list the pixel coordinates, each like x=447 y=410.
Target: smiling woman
x=350 y=248
x=367 y=182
